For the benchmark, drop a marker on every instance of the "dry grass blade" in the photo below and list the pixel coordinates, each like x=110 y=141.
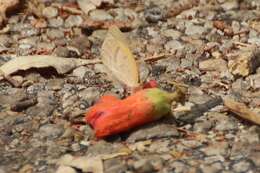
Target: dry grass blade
x=242 y=110
x=62 y=65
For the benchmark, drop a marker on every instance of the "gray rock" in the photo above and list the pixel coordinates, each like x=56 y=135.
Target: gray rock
x=73 y=21
x=28 y=32
x=55 y=84
x=5 y=40
x=50 y=12
x=114 y=165
x=203 y=126
x=62 y=52
x=249 y=136
x=230 y=5
x=51 y=131
x=100 y=15
x=173 y=45
x=55 y=34
x=222 y=121
x=173 y=34
x=153 y=131
x=56 y=22
x=153 y=14
x=90 y=95
x=143 y=166
x=194 y=29
x=80 y=72
x=216 y=148
x=213 y=64
x=179 y=167
x=241 y=166
x=209 y=168
x=254 y=40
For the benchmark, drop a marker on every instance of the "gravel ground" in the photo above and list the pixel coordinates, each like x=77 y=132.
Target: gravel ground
x=210 y=45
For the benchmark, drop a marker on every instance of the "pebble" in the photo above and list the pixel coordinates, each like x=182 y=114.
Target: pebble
x=143 y=166
x=73 y=21
x=50 y=12
x=213 y=64
x=171 y=33
x=55 y=34
x=55 y=22
x=241 y=166
x=61 y=52
x=90 y=95
x=195 y=29
x=230 y=5
x=216 y=148
x=67 y=169
x=179 y=167
x=51 y=131
x=173 y=45
x=153 y=15
x=100 y=15
x=80 y=72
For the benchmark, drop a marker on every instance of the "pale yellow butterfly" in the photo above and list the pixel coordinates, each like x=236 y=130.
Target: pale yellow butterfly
x=118 y=58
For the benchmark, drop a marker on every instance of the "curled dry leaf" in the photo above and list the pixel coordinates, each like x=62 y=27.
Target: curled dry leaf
x=62 y=65
x=242 y=110
x=117 y=57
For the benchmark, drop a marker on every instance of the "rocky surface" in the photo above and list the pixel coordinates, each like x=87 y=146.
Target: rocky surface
x=210 y=45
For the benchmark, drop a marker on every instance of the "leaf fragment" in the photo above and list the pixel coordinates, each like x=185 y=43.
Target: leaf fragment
x=62 y=65
x=118 y=58
x=242 y=110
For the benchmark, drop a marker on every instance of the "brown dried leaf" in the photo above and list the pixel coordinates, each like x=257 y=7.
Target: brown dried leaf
x=242 y=110
x=62 y=65
x=118 y=58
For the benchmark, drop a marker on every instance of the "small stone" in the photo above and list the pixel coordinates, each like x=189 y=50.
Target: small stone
x=82 y=43
x=153 y=14
x=50 y=12
x=65 y=169
x=216 y=148
x=51 y=131
x=62 y=52
x=209 y=168
x=153 y=131
x=245 y=62
x=143 y=166
x=100 y=15
x=55 y=34
x=230 y=5
x=73 y=21
x=242 y=166
x=255 y=81
x=90 y=95
x=80 y=72
x=194 y=29
x=28 y=32
x=179 y=167
x=55 y=84
x=173 y=34
x=173 y=45
x=45 y=46
x=249 y=136
x=254 y=40
x=56 y=22
x=213 y=64
x=6 y=41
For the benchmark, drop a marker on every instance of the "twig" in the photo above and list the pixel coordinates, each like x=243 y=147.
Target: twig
x=157 y=57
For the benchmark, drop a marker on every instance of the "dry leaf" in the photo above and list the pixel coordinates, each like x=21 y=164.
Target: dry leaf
x=117 y=57
x=62 y=65
x=86 y=164
x=242 y=110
